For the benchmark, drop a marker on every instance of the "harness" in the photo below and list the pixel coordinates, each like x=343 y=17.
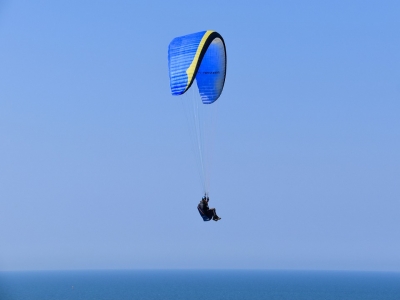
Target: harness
x=202 y=214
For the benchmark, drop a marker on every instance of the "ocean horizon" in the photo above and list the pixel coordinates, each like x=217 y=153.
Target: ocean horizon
x=198 y=284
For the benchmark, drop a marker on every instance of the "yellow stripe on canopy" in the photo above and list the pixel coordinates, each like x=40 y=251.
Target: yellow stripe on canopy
x=192 y=67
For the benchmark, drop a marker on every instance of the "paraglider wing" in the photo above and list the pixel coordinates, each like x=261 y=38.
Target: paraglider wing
x=200 y=56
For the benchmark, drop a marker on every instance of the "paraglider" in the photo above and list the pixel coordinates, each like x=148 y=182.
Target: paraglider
x=206 y=212
x=199 y=57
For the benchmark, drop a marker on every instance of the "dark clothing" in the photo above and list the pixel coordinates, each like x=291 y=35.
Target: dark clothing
x=205 y=212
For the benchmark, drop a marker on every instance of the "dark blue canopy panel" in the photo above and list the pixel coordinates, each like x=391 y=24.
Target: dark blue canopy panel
x=200 y=56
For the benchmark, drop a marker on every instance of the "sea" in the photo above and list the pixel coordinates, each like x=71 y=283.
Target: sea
x=199 y=284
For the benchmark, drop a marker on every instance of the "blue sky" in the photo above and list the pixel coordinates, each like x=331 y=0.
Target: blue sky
x=96 y=170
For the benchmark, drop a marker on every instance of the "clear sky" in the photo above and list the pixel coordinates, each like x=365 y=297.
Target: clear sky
x=96 y=170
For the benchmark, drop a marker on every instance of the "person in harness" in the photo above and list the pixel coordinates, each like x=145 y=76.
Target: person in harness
x=205 y=212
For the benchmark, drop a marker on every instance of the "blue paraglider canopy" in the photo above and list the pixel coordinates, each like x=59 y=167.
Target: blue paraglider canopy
x=200 y=56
